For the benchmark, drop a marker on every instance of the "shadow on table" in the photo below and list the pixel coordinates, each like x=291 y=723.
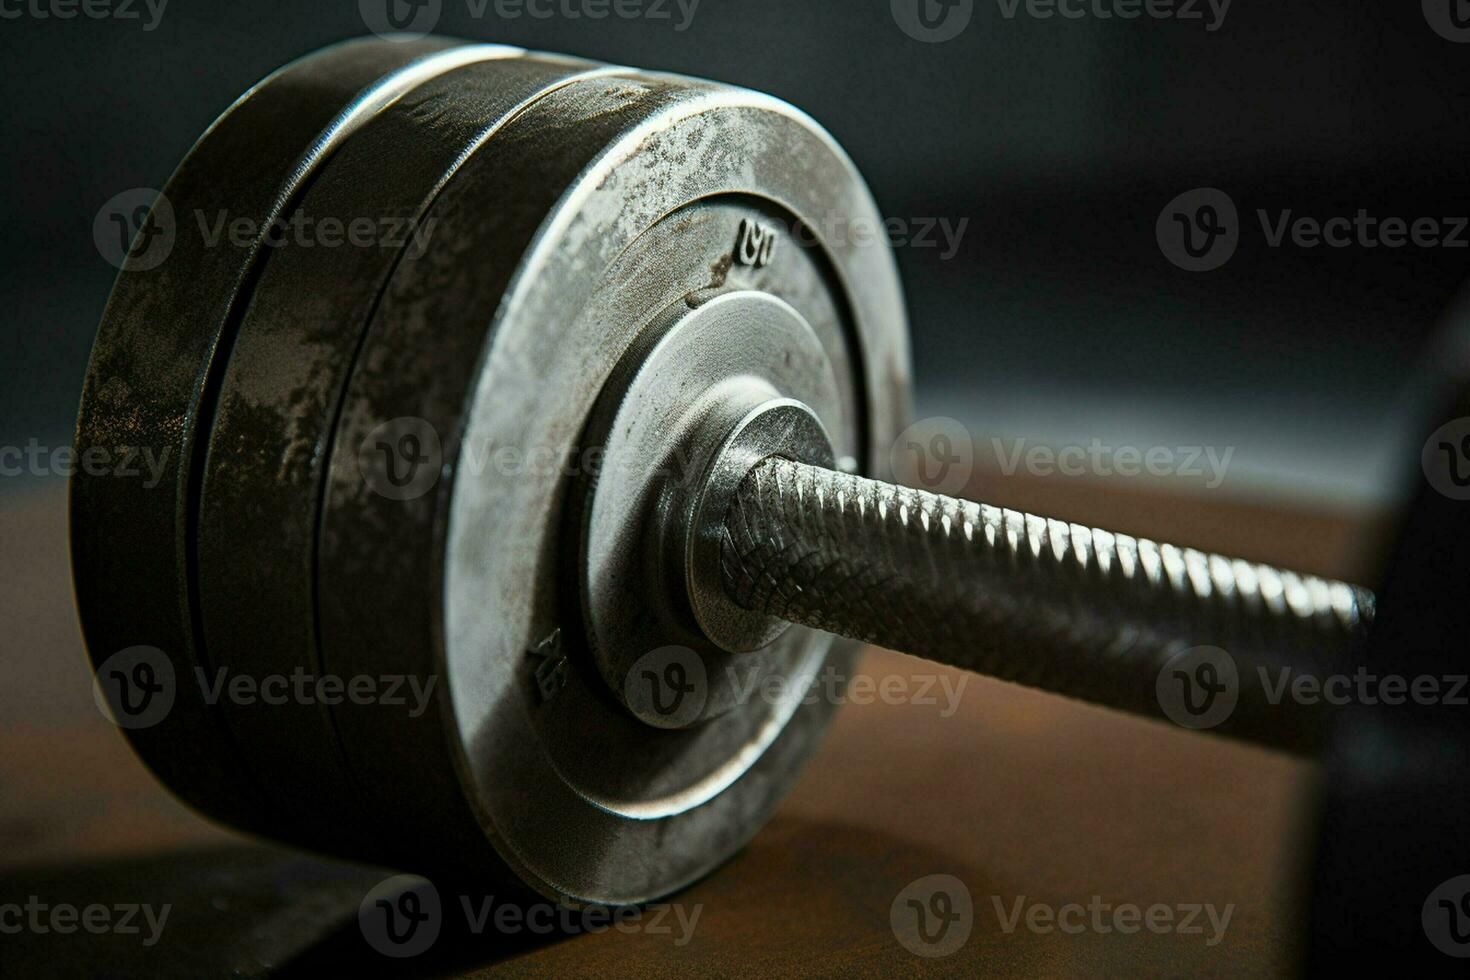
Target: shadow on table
x=247 y=910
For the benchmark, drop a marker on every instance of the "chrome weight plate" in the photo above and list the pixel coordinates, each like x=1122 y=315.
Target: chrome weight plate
x=447 y=546
x=160 y=346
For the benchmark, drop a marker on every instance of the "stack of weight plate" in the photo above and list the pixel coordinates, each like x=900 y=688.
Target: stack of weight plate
x=386 y=274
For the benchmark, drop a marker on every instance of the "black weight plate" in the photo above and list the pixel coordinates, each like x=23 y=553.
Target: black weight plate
x=277 y=403
x=165 y=331
x=1389 y=881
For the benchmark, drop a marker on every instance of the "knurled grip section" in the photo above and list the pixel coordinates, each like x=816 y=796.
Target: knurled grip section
x=1049 y=604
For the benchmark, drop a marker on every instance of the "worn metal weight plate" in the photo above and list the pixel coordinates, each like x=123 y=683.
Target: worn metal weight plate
x=276 y=408
x=591 y=215
x=163 y=338
x=392 y=459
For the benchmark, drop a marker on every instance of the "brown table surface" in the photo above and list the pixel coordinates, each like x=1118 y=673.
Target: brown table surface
x=1021 y=795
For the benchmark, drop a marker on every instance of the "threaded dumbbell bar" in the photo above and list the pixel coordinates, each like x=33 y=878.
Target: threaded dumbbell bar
x=1053 y=605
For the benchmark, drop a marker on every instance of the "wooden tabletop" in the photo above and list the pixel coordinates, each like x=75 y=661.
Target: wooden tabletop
x=1032 y=802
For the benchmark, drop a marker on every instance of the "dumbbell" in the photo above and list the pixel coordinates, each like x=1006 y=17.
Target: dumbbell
x=579 y=429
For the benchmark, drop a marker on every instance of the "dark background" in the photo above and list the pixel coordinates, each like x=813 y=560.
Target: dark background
x=1060 y=140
